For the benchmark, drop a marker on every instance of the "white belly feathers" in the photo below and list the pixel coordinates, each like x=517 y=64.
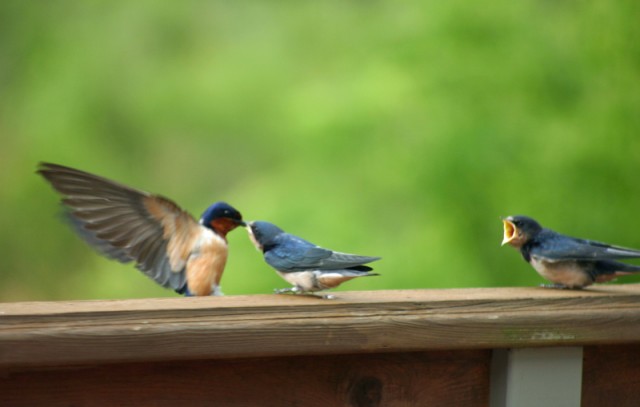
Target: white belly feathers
x=567 y=273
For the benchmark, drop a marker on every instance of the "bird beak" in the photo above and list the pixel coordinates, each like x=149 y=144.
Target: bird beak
x=241 y=223
x=510 y=231
x=252 y=237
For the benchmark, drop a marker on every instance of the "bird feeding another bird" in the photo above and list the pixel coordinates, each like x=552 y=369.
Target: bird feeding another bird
x=129 y=225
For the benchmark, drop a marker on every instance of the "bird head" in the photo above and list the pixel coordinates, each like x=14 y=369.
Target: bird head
x=518 y=230
x=263 y=234
x=222 y=218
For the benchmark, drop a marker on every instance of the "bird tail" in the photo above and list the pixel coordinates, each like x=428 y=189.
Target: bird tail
x=360 y=268
x=360 y=271
x=623 y=269
x=613 y=269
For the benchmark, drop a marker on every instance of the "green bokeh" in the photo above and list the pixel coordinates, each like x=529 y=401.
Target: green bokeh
x=403 y=130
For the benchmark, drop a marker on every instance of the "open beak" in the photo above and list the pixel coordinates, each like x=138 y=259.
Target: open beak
x=510 y=231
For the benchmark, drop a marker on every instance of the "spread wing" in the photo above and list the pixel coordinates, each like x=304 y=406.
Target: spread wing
x=557 y=247
x=128 y=224
x=292 y=253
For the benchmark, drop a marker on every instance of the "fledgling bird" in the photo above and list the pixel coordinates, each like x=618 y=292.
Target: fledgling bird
x=166 y=243
x=566 y=261
x=306 y=266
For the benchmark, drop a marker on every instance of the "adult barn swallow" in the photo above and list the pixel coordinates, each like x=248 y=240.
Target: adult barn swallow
x=566 y=261
x=306 y=266
x=165 y=242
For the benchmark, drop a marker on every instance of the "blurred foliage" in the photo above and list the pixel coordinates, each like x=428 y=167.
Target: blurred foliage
x=403 y=130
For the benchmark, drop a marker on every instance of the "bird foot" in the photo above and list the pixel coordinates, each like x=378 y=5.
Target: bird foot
x=299 y=291
x=560 y=286
x=292 y=290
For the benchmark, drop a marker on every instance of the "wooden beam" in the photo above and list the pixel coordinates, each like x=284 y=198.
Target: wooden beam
x=85 y=332
x=456 y=378
x=611 y=376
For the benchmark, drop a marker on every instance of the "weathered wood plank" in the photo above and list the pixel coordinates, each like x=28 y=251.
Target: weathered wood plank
x=443 y=378
x=611 y=376
x=83 y=332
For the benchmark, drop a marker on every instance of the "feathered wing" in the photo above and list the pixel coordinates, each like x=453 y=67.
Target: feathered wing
x=103 y=247
x=128 y=224
x=557 y=247
x=295 y=254
x=339 y=260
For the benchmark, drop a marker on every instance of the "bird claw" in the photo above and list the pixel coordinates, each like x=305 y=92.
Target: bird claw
x=329 y=296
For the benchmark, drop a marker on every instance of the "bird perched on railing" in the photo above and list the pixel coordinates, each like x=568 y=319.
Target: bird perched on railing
x=166 y=243
x=306 y=266
x=566 y=261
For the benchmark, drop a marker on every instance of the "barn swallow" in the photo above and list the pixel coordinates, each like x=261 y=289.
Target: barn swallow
x=126 y=224
x=566 y=261
x=306 y=266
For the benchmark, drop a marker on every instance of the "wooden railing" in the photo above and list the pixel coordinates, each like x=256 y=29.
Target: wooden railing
x=458 y=347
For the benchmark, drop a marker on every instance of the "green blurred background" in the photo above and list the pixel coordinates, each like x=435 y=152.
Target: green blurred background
x=403 y=130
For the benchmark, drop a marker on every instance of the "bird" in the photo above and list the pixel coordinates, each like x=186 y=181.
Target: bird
x=306 y=266
x=130 y=225
x=567 y=262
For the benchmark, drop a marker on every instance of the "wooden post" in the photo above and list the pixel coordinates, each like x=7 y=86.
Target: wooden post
x=533 y=377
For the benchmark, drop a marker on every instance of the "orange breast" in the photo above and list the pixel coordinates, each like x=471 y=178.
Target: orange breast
x=206 y=265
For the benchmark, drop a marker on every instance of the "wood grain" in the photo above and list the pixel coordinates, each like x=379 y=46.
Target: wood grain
x=87 y=332
x=611 y=376
x=443 y=378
